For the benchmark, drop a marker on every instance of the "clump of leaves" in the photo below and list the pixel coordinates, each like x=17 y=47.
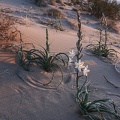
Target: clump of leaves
x=96 y=109
x=58 y=25
x=55 y=13
x=101 y=49
x=52 y=23
x=42 y=58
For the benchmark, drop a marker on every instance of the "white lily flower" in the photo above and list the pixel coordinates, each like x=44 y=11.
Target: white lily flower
x=79 y=65
x=72 y=53
x=70 y=60
x=86 y=70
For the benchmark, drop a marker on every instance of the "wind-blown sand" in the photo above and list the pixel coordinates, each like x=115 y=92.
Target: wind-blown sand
x=23 y=98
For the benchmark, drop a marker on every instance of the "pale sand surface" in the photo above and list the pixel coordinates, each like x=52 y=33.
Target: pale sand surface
x=26 y=99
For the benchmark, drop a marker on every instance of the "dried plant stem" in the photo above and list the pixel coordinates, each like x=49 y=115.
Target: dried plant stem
x=1 y=74
x=110 y=82
x=113 y=94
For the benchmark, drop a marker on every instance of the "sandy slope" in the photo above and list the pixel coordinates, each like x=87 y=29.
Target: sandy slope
x=25 y=99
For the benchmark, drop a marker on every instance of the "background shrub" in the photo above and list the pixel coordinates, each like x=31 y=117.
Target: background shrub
x=110 y=8
x=52 y=2
x=59 y=1
x=42 y=3
x=9 y=34
x=55 y=13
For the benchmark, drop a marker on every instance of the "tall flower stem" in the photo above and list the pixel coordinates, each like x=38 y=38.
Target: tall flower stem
x=78 y=45
x=100 y=30
x=104 y=22
x=47 y=42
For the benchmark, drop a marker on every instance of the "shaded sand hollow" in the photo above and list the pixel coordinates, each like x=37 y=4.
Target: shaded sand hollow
x=23 y=97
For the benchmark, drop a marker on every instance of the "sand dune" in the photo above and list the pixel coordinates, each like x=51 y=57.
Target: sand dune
x=23 y=97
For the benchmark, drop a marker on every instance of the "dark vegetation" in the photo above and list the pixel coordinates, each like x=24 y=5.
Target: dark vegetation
x=8 y=32
x=56 y=13
x=44 y=3
x=109 y=8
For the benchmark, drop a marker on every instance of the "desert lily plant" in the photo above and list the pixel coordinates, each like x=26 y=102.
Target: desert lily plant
x=81 y=69
x=43 y=58
x=101 y=49
x=96 y=109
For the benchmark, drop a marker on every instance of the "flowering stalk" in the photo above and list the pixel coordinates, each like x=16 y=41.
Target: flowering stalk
x=47 y=44
x=78 y=45
x=104 y=23
x=81 y=70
